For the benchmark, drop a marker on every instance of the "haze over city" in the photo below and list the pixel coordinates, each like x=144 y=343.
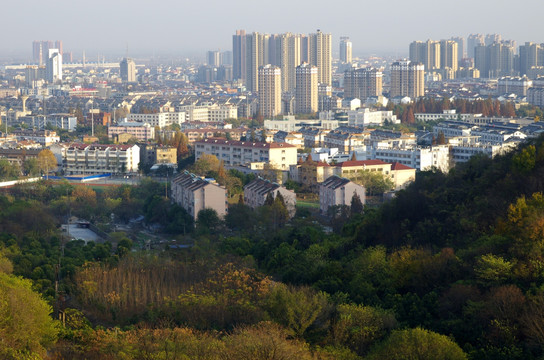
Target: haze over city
x=172 y=28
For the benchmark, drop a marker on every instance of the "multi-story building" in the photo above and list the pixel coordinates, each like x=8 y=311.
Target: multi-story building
x=256 y=56
x=362 y=83
x=195 y=194
x=514 y=85
x=40 y=50
x=220 y=113
x=278 y=155
x=494 y=60
x=345 y=50
x=90 y=159
x=531 y=56
x=345 y=141
x=142 y=131
x=407 y=79
x=270 y=91
x=214 y=58
x=256 y=193
x=306 y=89
x=419 y=158
x=449 y=58
x=239 y=55
x=54 y=66
x=426 y=53
x=128 y=70
x=461 y=52
x=42 y=137
x=473 y=41
x=319 y=48
x=365 y=116
x=151 y=154
x=337 y=191
x=160 y=119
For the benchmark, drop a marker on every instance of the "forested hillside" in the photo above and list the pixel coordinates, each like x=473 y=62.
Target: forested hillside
x=452 y=268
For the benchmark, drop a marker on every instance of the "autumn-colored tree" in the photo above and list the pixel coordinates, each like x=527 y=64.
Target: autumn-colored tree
x=205 y=164
x=46 y=161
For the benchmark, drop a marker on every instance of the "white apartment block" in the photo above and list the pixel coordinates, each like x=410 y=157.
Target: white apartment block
x=278 y=155
x=161 y=119
x=143 y=132
x=418 y=158
x=195 y=194
x=43 y=137
x=289 y=124
x=446 y=115
x=195 y=112
x=365 y=116
x=91 y=159
x=220 y=113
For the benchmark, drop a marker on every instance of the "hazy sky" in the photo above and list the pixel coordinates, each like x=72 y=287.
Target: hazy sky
x=192 y=27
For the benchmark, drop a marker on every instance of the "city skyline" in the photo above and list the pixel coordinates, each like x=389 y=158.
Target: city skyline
x=150 y=30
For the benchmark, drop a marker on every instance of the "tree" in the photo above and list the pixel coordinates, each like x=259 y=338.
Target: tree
x=205 y=164
x=31 y=167
x=8 y=171
x=26 y=329
x=46 y=161
x=356 y=204
x=417 y=344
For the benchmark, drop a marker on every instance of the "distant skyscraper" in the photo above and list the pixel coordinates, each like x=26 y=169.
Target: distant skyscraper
x=287 y=58
x=128 y=70
x=269 y=90
x=320 y=55
x=306 y=89
x=214 y=58
x=256 y=56
x=345 y=50
x=58 y=45
x=226 y=58
x=362 y=83
x=239 y=55
x=494 y=60
x=427 y=53
x=492 y=38
x=531 y=55
x=449 y=58
x=407 y=79
x=473 y=41
x=40 y=50
x=461 y=51
x=54 y=66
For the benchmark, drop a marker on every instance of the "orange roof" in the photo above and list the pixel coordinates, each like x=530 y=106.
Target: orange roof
x=399 y=166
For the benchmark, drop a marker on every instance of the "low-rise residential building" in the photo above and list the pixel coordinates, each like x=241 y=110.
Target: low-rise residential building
x=151 y=154
x=345 y=140
x=141 y=131
x=43 y=137
x=88 y=159
x=256 y=192
x=160 y=119
x=446 y=115
x=19 y=156
x=194 y=194
x=337 y=191
x=290 y=123
x=365 y=116
x=232 y=153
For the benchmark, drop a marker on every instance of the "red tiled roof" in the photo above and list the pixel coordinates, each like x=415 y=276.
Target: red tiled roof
x=399 y=166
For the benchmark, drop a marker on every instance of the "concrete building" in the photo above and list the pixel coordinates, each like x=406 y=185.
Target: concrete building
x=87 y=159
x=474 y=40
x=151 y=154
x=256 y=192
x=426 y=53
x=364 y=116
x=195 y=194
x=407 y=79
x=345 y=50
x=128 y=70
x=270 y=91
x=160 y=119
x=513 y=85
x=214 y=58
x=239 y=55
x=278 y=155
x=337 y=191
x=319 y=49
x=363 y=83
x=141 y=131
x=449 y=58
x=306 y=98
x=54 y=66
x=43 y=137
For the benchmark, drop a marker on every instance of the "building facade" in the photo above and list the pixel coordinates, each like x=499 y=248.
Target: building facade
x=407 y=79
x=337 y=191
x=270 y=91
x=306 y=89
x=256 y=192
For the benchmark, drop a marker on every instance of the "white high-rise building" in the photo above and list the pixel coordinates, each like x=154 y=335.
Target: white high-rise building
x=54 y=65
x=345 y=50
x=306 y=89
x=320 y=55
x=269 y=91
x=128 y=70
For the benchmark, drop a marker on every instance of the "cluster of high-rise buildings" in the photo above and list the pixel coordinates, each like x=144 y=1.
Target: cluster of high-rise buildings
x=277 y=63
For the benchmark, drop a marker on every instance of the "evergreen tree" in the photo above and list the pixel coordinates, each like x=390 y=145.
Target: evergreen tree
x=356 y=204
